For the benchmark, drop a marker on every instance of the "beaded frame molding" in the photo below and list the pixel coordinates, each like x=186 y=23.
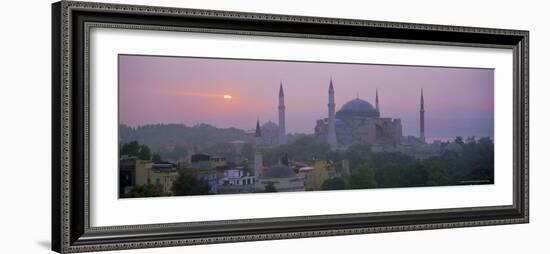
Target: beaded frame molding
x=71 y=23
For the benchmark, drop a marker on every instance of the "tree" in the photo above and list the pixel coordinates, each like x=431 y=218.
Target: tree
x=133 y=148
x=144 y=153
x=479 y=157
x=392 y=175
x=481 y=174
x=427 y=173
x=270 y=188
x=459 y=140
x=147 y=190
x=357 y=155
x=156 y=157
x=362 y=178
x=379 y=160
x=130 y=149
x=337 y=183
x=188 y=183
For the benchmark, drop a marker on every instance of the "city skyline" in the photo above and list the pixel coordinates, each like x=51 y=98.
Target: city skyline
x=235 y=93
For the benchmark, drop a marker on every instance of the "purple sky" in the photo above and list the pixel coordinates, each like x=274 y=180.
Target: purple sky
x=458 y=101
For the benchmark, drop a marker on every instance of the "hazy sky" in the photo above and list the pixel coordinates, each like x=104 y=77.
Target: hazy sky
x=458 y=101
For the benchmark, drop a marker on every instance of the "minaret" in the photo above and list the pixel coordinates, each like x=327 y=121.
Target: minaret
x=258 y=133
x=331 y=135
x=422 y=137
x=377 y=107
x=282 y=129
x=258 y=156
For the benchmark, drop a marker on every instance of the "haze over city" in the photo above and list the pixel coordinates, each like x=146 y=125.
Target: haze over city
x=235 y=93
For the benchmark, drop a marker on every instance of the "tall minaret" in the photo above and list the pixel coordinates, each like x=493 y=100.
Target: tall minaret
x=331 y=135
x=377 y=107
x=422 y=137
x=282 y=128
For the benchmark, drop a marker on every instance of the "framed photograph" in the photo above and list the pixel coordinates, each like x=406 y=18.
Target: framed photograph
x=182 y=126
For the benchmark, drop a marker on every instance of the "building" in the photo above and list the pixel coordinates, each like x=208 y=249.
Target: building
x=320 y=174
x=359 y=122
x=309 y=179
x=356 y=122
x=217 y=161
x=282 y=177
x=127 y=174
x=161 y=174
x=135 y=172
x=211 y=176
x=237 y=180
x=200 y=161
x=270 y=133
x=205 y=161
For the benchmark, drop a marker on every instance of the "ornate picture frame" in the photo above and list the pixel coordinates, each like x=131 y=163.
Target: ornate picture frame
x=71 y=24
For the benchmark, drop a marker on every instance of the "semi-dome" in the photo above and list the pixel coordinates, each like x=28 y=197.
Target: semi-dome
x=279 y=171
x=357 y=107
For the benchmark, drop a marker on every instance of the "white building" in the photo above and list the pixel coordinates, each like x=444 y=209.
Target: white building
x=236 y=180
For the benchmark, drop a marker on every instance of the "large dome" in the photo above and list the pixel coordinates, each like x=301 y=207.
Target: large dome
x=357 y=107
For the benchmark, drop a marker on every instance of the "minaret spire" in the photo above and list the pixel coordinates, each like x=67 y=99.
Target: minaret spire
x=258 y=132
x=331 y=135
x=377 y=107
x=422 y=137
x=282 y=127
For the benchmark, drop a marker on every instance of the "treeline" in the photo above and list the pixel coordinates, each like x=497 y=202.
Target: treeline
x=174 y=141
x=474 y=165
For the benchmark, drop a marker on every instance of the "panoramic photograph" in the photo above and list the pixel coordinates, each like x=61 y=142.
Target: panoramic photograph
x=209 y=126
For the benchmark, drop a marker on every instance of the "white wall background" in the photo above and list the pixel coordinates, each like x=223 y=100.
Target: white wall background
x=25 y=126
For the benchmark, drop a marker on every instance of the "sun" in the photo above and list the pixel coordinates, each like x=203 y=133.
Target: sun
x=227 y=97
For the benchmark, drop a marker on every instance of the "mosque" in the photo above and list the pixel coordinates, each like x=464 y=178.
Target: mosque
x=357 y=122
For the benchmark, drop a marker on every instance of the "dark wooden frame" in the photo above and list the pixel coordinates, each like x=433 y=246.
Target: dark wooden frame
x=71 y=22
